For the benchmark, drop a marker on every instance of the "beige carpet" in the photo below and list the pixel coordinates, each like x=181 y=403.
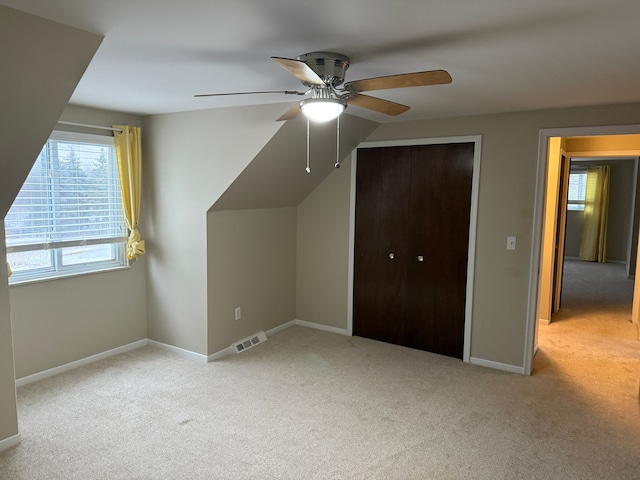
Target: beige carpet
x=591 y=341
x=314 y=405
x=592 y=346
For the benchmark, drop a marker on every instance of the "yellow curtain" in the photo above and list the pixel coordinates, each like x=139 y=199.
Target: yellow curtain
x=9 y=272
x=596 y=213
x=129 y=154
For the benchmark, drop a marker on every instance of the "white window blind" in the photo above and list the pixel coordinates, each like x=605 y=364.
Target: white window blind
x=69 y=210
x=577 y=190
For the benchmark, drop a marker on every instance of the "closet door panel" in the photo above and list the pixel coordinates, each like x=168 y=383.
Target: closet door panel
x=440 y=201
x=381 y=243
x=411 y=245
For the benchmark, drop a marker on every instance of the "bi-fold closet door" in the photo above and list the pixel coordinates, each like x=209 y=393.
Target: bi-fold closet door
x=411 y=245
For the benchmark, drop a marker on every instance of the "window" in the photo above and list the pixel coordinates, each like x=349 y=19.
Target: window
x=577 y=189
x=68 y=216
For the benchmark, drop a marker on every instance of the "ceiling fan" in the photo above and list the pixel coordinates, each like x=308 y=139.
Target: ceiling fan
x=324 y=73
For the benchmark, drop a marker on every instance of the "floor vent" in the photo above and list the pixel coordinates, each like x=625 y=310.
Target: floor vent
x=249 y=342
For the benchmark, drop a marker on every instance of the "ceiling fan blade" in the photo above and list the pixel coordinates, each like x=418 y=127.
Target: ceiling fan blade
x=377 y=104
x=417 y=79
x=293 y=112
x=300 y=70
x=285 y=92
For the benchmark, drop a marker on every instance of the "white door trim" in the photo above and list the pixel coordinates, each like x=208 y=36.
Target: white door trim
x=473 y=222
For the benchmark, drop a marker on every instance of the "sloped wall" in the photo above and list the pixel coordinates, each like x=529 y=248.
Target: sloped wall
x=8 y=407
x=30 y=49
x=34 y=52
x=276 y=177
x=254 y=234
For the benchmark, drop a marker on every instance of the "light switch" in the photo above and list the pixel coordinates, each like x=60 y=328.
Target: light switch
x=511 y=243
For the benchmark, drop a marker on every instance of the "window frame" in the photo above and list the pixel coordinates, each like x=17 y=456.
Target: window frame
x=56 y=250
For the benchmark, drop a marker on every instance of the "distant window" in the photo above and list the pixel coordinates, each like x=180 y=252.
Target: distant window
x=577 y=190
x=68 y=215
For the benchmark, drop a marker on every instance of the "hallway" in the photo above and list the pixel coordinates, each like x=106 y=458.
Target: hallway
x=591 y=341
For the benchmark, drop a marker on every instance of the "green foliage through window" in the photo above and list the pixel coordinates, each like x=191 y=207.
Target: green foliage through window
x=68 y=215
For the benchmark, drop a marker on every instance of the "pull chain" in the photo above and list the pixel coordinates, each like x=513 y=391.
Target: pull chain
x=308 y=168
x=338 y=142
x=337 y=165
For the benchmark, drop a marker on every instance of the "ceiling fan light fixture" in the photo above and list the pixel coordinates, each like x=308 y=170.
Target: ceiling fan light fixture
x=321 y=110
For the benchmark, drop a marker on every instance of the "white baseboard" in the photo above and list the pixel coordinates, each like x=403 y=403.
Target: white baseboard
x=179 y=351
x=218 y=355
x=319 y=326
x=229 y=350
x=7 y=443
x=497 y=365
x=623 y=262
x=79 y=363
x=280 y=328
x=476 y=361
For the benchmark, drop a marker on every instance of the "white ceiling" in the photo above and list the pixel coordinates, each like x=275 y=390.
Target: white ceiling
x=503 y=55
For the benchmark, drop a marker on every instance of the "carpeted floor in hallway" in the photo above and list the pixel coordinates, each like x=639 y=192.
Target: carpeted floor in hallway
x=591 y=342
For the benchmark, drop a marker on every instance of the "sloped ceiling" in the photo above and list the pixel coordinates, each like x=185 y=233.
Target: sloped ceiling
x=42 y=62
x=277 y=177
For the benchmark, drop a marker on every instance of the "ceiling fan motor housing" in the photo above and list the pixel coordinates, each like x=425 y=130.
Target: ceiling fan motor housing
x=330 y=66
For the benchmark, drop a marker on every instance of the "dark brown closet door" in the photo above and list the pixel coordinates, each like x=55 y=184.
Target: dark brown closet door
x=413 y=202
x=440 y=205
x=381 y=225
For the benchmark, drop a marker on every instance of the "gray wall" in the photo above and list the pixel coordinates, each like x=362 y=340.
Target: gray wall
x=187 y=174
x=506 y=203
x=251 y=256
x=621 y=200
x=574 y=233
x=282 y=161
x=8 y=410
x=323 y=253
x=191 y=159
x=60 y=321
x=29 y=46
x=64 y=320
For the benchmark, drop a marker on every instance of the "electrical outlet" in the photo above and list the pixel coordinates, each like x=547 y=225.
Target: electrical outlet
x=238 y=313
x=511 y=243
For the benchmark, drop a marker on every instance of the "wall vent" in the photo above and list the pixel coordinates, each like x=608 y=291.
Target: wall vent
x=249 y=342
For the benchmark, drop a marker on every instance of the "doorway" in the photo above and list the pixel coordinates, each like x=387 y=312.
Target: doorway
x=612 y=142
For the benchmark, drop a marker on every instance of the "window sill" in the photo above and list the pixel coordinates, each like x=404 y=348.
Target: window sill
x=19 y=283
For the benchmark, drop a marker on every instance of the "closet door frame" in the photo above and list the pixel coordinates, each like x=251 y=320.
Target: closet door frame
x=473 y=220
